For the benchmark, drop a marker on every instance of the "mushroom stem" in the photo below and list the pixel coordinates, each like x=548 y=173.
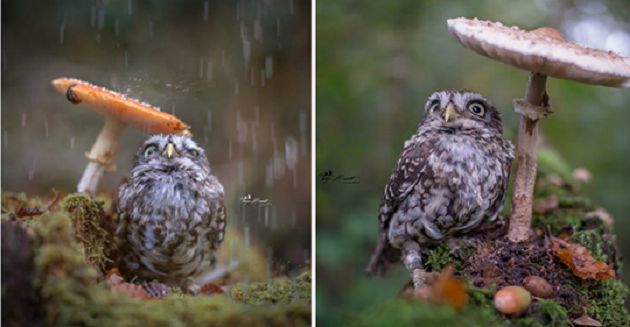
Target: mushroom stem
x=101 y=156
x=522 y=197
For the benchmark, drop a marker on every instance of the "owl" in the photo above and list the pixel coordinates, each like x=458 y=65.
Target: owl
x=451 y=177
x=171 y=213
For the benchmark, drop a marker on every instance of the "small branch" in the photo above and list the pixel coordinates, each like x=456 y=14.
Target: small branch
x=522 y=198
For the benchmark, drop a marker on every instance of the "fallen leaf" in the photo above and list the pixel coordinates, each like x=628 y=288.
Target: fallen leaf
x=585 y=320
x=581 y=263
x=602 y=214
x=211 y=288
x=446 y=289
x=547 y=205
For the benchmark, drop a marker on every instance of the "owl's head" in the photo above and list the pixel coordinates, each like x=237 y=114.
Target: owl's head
x=461 y=110
x=171 y=151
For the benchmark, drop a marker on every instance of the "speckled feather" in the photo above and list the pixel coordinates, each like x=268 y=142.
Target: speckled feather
x=171 y=213
x=450 y=177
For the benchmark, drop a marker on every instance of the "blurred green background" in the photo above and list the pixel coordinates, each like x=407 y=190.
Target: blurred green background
x=238 y=72
x=377 y=62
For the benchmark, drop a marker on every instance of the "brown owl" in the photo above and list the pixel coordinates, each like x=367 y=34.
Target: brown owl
x=171 y=213
x=451 y=176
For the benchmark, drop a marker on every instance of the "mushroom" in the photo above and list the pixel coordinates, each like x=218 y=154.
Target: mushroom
x=118 y=112
x=543 y=52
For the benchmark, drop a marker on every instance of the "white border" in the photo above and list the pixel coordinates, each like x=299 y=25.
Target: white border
x=313 y=173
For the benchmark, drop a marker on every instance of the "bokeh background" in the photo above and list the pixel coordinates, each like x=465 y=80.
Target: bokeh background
x=238 y=72
x=377 y=62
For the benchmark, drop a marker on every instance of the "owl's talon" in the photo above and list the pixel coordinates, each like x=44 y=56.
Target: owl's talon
x=419 y=278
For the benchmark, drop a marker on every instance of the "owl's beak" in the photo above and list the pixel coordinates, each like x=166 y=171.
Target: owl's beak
x=450 y=113
x=170 y=150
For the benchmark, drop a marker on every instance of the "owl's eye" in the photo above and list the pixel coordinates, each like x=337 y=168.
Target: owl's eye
x=477 y=108
x=150 y=150
x=193 y=153
x=435 y=104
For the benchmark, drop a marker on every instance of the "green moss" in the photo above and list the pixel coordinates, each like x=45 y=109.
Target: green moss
x=404 y=312
x=438 y=258
x=73 y=295
x=88 y=216
x=279 y=291
x=606 y=301
x=544 y=313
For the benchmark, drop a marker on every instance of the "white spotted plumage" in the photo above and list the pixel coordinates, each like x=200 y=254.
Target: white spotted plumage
x=171 y=213
x=451 y=176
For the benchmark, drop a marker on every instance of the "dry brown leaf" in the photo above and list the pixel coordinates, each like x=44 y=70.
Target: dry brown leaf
x=580 y=261
x=449 y=289
x=585 y=320
x=547 y=205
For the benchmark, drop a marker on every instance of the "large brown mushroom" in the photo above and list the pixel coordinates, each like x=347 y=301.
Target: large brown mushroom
x=118 y=111
x=543 y=52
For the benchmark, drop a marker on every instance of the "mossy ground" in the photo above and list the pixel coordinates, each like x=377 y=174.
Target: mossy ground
x=491 y=261
x=68 y=248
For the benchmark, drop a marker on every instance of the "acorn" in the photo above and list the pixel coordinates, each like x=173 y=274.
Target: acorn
x=512 y=299
x=538 y=286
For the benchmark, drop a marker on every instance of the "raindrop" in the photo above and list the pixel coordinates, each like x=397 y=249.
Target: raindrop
x=31 y=171
x=254 y=139
x=126 y=59
x=23 y=124
x=258 y=32
x=269 y=175
x=291 y=152
x=173 y=109
x=209 y=70
x=209 y=120
x=62 y=29
x=268 y=67
x=116 y=27
x=266 y=216
x=205 y=135
x=71 y=142
x=101 y=18
x=205 y=10
x=150 y=30
x=278 y=166
x=46 y=127
x=247 y=51
x=129 y=7
x=230 y=150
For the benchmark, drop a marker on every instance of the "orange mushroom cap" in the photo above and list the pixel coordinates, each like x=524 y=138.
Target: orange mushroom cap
x=126 y=110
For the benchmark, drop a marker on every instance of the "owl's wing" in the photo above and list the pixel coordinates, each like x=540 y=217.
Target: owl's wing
x=407 y=173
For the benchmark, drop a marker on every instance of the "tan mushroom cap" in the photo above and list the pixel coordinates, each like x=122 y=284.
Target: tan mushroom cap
x=126 y=110
x=543 y=50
